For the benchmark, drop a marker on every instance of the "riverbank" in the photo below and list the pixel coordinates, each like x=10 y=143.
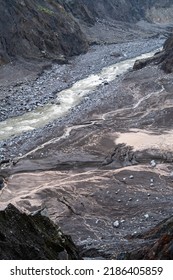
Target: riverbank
x=27 y=96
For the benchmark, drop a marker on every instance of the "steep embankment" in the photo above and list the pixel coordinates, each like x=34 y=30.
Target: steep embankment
x=163 y=58
x=167 y=58
x=37 y=30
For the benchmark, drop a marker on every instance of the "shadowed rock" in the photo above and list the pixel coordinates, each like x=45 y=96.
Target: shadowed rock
x=163 y=58
x=167 y=58
x=160 y=243
x=37 y=30
x=32 y=237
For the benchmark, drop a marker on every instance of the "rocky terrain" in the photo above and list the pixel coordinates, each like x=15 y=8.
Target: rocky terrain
x=126 y=11
x=159 y=245
x=58 y=29
x=38 y=30
x=24 y=237
x=163 y=58
x=102 y=169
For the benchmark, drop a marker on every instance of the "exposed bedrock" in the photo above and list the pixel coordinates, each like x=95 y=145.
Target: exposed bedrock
x=163 y=58
x=38 y=30
x=26 y=237
x=157 y=243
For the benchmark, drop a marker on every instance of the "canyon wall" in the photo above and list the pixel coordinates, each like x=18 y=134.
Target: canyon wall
x=51 y=28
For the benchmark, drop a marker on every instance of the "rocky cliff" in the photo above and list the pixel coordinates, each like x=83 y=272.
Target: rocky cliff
x=38 y=29
x=51 y=28
x=164 y=58
x=160 y=243
x=167 y=57
x=32 y=237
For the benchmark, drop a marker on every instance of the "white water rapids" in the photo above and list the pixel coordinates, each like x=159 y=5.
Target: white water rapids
x=68 y=98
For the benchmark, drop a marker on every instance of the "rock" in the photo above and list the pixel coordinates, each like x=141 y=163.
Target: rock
x=153 y=163
x=146 y=216
x=45 y=30
x=115 y=54
x=131 y=177
x=164 y=58
x=1 y=183
x=139 y=64
x=160 y=245
x=25 y=237
x=116 y=224
x=106 y=83
x=4 y=58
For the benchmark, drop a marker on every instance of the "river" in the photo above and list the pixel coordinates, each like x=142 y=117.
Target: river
x=66 y=99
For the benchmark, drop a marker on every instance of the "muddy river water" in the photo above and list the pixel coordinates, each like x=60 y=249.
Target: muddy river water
x=66 y=99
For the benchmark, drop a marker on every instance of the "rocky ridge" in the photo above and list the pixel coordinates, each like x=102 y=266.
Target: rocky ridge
x=26 y=237
x=38 y=30
x=163 y=58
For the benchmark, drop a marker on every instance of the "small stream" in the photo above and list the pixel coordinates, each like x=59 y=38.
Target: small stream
x=66 y=99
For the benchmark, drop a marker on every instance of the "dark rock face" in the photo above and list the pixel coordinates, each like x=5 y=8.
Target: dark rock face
x=32 y=237
x=160 y=240
x=81 y=10
x=1 y=183
x=157 y=58
x=167 y=58
x=38 y=29
x=163 y=58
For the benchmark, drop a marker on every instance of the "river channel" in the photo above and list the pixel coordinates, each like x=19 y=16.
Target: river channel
x=66 y=99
